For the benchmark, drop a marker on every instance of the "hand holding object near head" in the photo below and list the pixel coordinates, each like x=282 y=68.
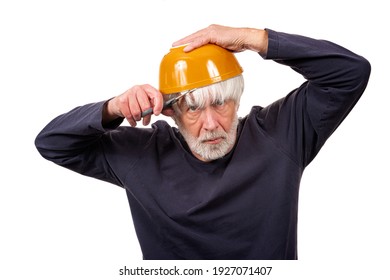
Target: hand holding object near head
x=132 y=103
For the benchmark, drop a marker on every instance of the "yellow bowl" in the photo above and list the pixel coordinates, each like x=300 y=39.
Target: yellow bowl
x=180 y=71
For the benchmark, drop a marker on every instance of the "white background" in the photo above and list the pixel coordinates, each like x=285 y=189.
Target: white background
x=55 y=55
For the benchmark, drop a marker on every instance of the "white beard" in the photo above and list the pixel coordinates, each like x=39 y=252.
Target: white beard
x=209 y=152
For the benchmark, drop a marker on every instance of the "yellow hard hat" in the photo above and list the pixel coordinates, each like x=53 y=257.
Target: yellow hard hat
x=181 y=71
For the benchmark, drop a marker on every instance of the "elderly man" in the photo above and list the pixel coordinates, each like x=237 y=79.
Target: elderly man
x=217 y=186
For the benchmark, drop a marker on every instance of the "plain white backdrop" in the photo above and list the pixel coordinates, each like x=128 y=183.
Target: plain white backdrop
x=56 y=55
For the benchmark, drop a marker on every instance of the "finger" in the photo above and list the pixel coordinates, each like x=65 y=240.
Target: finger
x=195 y=40
x=186 y=40
x=143 y=101
x=155 y=99
x=125 y=109
x=196 y=43
x=135 y=99
x=146 y=120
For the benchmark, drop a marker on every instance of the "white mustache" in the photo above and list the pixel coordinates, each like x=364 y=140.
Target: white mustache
x=208 y=136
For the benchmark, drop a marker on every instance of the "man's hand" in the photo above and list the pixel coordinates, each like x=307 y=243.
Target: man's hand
x=230 y=38
x=132 y=103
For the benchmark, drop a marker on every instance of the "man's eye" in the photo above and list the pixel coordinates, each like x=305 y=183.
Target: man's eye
x=219 y=102
x=193 y=108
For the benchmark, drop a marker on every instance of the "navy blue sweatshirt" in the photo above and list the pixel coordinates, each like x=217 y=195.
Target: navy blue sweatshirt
x=242 y=206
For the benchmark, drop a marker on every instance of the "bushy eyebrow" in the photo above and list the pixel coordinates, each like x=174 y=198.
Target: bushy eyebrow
x=200 y=99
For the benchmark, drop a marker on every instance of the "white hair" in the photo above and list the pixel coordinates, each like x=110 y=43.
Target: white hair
x=230 y=89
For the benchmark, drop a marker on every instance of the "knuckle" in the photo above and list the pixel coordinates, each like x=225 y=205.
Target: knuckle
x=122 y=99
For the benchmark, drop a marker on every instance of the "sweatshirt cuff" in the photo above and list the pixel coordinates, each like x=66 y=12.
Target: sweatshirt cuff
x=273 y=45
x=112 y=124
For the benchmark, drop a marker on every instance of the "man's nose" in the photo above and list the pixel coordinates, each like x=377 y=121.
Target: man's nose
x=210 y=121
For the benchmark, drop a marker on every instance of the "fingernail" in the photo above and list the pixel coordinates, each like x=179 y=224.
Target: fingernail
x=187 y=48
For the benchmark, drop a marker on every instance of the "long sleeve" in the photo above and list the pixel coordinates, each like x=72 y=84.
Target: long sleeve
x=76 y=140
x=336 y=78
